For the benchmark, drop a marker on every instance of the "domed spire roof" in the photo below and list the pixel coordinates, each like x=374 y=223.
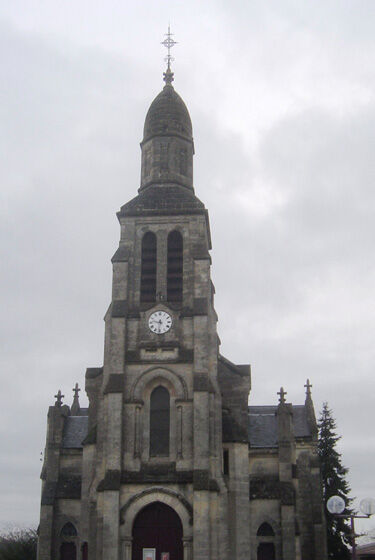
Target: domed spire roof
x=168 y=115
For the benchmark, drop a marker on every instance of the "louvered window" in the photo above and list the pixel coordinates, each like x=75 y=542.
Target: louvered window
x=148 y=268
x=174 y=266
x=159 y=422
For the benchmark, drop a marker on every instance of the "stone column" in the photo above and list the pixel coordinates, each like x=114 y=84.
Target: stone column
x=126 y=548
x=188 y=549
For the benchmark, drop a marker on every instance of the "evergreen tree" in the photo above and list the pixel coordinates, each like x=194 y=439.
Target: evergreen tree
x=334 y=484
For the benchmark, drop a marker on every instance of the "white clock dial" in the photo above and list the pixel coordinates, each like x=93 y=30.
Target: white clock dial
x=160 y=322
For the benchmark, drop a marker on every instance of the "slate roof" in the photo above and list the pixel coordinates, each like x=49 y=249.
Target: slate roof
x=75 y=431
x=263 y=425
x=163 y=199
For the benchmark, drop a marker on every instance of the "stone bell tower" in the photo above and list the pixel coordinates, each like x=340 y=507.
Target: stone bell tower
x=155 y=406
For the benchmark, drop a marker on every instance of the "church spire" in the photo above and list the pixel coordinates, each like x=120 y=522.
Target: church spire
x=167 y=145
x=75 y=409
x=311 y=418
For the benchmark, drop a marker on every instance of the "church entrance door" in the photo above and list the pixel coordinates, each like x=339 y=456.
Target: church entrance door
x=157 y=526
x=266 y=551
x=68 y=551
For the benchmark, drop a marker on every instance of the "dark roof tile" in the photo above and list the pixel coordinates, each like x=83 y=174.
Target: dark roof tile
x=75 y=431
x=263 y=425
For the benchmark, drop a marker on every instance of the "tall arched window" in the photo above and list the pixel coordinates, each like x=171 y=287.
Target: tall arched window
x=148 y=268
x=159 y=422
x=174 y=266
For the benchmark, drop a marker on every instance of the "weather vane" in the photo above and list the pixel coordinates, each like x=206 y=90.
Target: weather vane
x=169 y=43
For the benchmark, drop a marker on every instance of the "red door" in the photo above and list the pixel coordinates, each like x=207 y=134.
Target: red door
x=157 y=526
x=68 y=551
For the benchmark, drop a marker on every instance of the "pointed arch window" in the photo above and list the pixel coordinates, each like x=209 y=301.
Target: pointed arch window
x=68 y=530
x=175 y=266
x=159 y=422
x=265 y=530
x=148 y=268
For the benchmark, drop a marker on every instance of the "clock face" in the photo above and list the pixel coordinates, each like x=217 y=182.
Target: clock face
x=160 y=322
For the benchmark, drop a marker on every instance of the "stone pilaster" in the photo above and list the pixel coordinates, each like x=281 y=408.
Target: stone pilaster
x=286 y=444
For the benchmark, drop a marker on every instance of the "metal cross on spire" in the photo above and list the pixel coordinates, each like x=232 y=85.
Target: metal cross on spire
x=168 y=44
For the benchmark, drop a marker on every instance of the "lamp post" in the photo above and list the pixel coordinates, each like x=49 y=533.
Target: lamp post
x=336 y=506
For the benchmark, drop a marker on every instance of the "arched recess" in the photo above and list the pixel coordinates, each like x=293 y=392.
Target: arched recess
x=68 y=530
x=171 y=498
x=265 y=530
x=140 y=395
x=148 y=268
x=175 y=266
x=261 y=520
x=265 y=541
x=154 y=376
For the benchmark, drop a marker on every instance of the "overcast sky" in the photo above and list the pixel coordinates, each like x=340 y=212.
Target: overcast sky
x=281 y=95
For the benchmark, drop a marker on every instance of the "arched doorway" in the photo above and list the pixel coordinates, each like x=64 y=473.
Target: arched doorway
x=266 y=551
x=68 y=551
x=157 y=526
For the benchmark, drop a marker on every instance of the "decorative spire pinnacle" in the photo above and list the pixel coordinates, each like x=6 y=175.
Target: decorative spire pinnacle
x=59 y=397
x=308 y=388
x=75 y=409
x=76 y=390
x=282 y=394
x=168 y=44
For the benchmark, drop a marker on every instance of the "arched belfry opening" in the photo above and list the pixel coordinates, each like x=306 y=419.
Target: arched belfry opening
x=148 y=268
x=159 y=422
x=174 y=266
x=159 y=528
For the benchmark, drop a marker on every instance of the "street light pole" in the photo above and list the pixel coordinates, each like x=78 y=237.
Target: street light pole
x=336 y=506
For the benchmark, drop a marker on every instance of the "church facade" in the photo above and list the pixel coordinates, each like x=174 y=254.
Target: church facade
x=169 y=462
